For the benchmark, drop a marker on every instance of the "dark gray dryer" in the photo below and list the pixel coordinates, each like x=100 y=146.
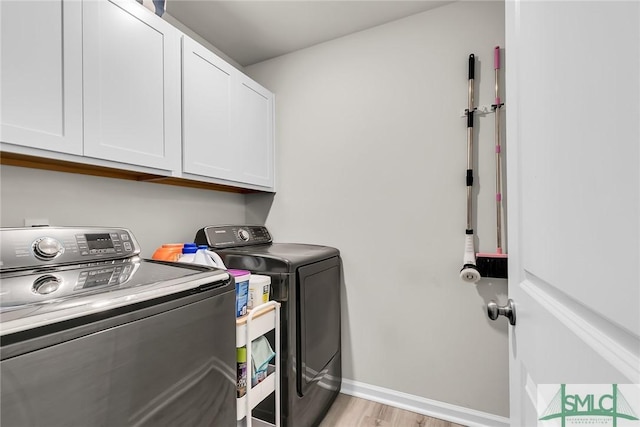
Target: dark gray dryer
x=305 y=279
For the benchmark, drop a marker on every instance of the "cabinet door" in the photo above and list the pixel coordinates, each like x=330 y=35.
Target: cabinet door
x=207 y=95
x=131 y=61
x=41 y=74
x=254 y=133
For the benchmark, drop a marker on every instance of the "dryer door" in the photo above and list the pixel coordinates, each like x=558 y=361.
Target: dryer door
x=318 y=320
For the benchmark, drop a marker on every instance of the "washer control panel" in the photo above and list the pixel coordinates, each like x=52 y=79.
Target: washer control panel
x=230 y=236
x=43 y=246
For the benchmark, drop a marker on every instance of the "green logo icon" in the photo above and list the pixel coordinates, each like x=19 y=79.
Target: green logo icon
x=588 y=406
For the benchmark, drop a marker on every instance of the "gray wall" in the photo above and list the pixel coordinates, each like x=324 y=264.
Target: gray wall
x=371 y=157
x=155 y=213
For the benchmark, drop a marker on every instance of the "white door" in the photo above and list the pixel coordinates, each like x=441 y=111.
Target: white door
x=255 y=139
x=573 y=135
x=131 y=60
x=41 y=74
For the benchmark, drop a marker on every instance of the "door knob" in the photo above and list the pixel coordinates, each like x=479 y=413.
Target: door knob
x=508 y=311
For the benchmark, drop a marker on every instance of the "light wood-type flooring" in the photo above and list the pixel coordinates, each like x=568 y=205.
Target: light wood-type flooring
x=349 y=411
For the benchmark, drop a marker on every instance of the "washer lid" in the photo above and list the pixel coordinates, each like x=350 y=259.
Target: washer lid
x=37 y=298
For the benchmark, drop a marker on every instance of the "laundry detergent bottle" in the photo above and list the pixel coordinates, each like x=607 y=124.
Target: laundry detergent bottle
x=188 y=253
x=168 y=252
x=202 y=257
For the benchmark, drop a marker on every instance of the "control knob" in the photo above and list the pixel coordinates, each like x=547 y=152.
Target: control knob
x=46 y=284
x=244 y=235
x=47 y=248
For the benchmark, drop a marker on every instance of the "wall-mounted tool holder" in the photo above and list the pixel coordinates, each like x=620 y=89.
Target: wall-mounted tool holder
x=481 y=110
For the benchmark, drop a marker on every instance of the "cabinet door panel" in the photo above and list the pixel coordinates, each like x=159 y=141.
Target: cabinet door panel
x=41 y=74
x=208 y=148
x=131 y=84
x=255 y=133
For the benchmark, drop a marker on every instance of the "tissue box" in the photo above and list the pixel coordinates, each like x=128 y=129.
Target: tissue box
x=261 y=355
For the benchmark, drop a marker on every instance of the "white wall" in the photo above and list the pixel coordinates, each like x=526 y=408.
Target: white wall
x=371 y=158
x=155 y=213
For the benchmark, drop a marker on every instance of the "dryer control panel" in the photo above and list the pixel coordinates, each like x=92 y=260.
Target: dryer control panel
x=231 y=236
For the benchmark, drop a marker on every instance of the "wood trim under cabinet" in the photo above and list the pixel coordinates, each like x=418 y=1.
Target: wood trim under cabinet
x=26 y=161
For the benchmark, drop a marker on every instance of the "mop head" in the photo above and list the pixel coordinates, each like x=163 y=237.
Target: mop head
x=493 y=265
x=470 y=273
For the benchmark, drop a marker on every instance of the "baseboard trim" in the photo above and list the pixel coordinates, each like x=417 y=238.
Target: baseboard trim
x=431 y=408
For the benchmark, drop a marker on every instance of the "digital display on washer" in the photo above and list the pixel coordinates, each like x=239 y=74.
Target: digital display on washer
x=98 y=278
x=99 y=241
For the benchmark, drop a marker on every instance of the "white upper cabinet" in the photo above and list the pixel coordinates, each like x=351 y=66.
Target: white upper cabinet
x=207 y=104
x=131 y=64
x=255 y=132
x=227 y=121
x=105 y=82
x=41 y=74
